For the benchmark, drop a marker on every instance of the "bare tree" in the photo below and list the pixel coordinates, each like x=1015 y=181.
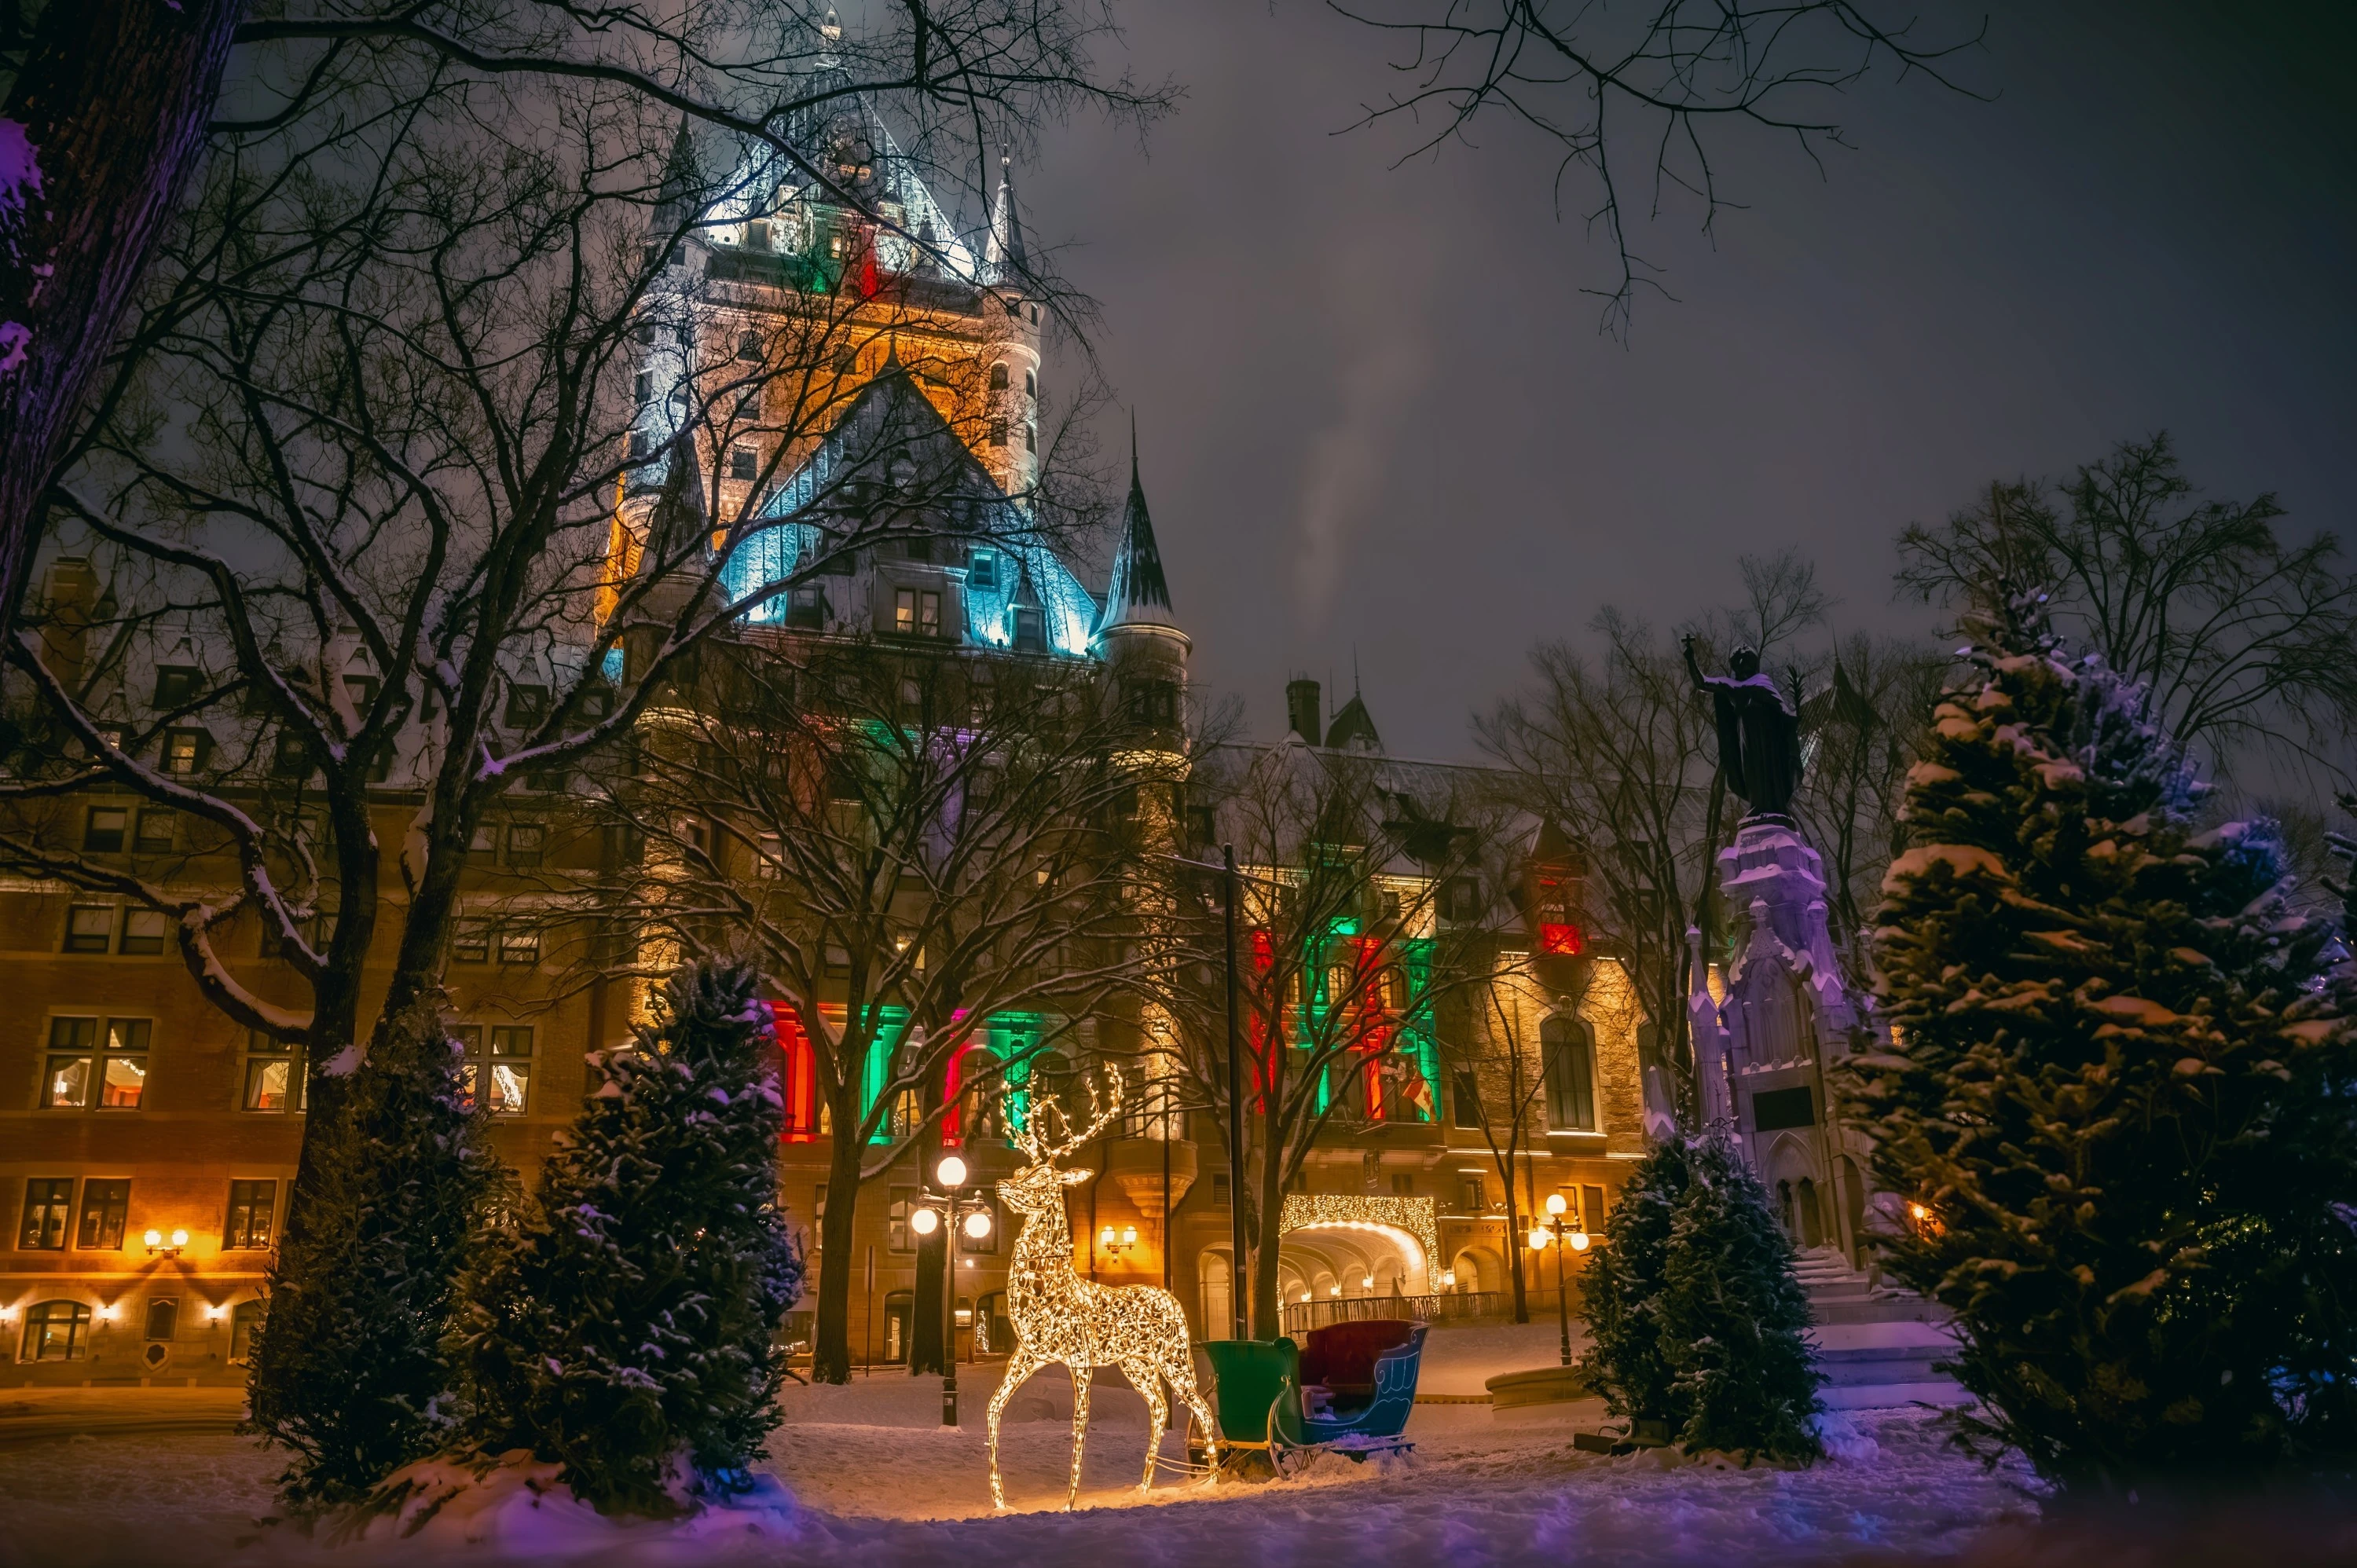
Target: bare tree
x=1639 y=100
x=108 y=107
x=1349 y=942
x=1493 y=1051
x=912 y=844
x=1621 y=757
x=1859 y=736
x=2245 y=641
x=421 y=468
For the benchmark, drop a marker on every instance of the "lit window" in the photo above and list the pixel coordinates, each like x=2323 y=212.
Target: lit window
x=184 y=751
x=78 y=1073
x=144 y=931
x=929 y=615
x=770 y=847
x=57 y=1331
x=471 y=942
x=503 y=1059
x=904 y=611
x=252 y=1207
x=48 y=1206
x=518 y=945
x=102 y=830
x=105 y=1205
x=273 y=1075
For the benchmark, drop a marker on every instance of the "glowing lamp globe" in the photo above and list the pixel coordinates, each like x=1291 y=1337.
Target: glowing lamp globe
x=1555 y=1204
x=1578 y=1239
x=179 y=1238
x=1333 y=1290
x=1539 y=1237
x=951 y=1172
x=154 y=1238
x=1105 y=1237
x=1366 y=1282
x=924 y=1221
x=977 y=1224
x=1129 y=1235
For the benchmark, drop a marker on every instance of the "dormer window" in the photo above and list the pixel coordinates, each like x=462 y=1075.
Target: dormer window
x=1031 y=632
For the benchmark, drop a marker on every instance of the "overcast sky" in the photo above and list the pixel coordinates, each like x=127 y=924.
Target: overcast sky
x=1377 y=415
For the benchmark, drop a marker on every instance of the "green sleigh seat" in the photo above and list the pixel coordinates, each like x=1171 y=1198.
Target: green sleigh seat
x=1348 y=1388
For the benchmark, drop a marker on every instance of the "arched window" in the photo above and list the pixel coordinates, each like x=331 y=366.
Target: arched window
x=998 y=376
x=1569 y=1053
x=1030 y=384
x=57 y=1331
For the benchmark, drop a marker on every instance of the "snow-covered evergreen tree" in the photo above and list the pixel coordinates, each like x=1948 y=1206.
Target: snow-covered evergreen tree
x=627 y=1328
x=348 y=1370
x=1694 y=1316
x=1621 y=1291
x=1733 y=1316
x=2119 y=1088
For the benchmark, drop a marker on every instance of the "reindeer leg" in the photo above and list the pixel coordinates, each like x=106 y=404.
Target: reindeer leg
x=1079 y=1429
x=1020 y=1366
x=1181 y=1373
x=1143 y=1377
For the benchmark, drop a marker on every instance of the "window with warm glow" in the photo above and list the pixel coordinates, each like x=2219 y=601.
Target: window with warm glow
x=89 y=1071
x=501 y=1059
x=106 y=1206
x=274 y=1079
x=252 y=1208
x=57 y=1331
x=49 y=1208
x=1569 y=1050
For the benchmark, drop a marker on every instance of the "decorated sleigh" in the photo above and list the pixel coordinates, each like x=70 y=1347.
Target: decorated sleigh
x=1345 y=1389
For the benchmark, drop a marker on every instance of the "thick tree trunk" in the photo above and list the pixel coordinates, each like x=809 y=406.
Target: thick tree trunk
x=1267 y=1308
x=1514 y=1248
x=837 y=1269
x=97 y=142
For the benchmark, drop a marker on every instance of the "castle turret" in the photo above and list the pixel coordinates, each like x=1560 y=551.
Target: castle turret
x=1138 y=633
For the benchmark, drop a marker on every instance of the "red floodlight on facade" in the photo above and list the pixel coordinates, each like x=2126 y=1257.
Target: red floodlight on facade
x=1561 y=940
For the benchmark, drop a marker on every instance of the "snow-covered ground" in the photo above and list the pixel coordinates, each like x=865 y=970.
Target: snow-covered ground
x=879 y=1481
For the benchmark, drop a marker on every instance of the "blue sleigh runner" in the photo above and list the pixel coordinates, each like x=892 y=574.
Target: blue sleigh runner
x=1346 y=1389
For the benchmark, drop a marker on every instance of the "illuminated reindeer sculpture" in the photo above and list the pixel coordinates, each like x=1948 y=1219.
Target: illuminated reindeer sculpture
x=1059 y=1316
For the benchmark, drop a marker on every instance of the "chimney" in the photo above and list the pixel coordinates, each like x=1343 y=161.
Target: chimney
x=72 y=604
x=1301 y=709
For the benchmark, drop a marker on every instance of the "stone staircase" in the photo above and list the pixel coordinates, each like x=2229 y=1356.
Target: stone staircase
x=1876 y=1345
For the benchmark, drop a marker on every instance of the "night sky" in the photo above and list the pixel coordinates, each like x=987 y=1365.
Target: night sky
x=1377 y=413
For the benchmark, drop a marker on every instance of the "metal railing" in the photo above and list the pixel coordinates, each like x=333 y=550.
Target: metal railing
x=1300 y=1316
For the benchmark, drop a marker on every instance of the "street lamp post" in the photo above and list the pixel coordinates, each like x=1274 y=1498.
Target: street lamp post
x=1556 y=1232
x=939 y=1204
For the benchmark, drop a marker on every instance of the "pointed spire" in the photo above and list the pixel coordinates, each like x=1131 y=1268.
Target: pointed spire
x=1003 y=252
x=1138 y=595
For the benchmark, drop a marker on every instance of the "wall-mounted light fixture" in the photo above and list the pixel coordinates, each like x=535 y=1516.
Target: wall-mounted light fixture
x=160 y=1246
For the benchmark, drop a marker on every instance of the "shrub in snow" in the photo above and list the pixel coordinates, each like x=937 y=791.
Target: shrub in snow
x=1732 y=1314
x=626 y=1331
x=1696 y=1317
x=2119 y=1088
x=1621 y=1291
x=349 y=1370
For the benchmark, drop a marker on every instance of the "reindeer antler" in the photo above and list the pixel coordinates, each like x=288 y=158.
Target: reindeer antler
x=1033 y=1140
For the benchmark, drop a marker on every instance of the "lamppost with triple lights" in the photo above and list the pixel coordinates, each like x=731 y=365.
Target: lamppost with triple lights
x=1557 y=1232
x=939 y=1207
